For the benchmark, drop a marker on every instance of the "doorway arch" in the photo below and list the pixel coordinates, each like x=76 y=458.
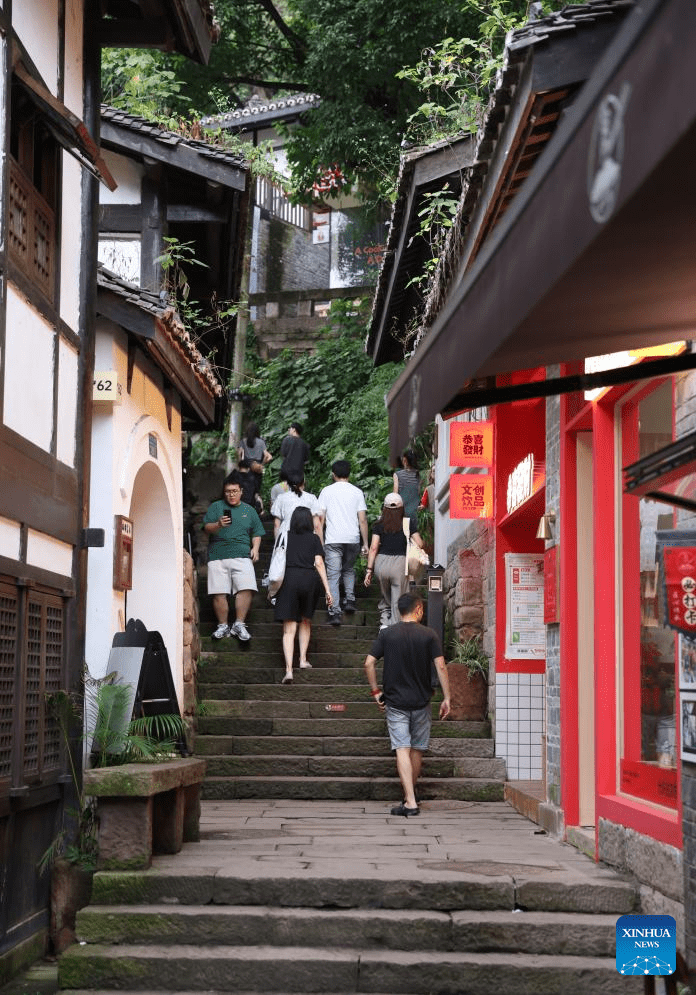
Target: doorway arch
x=155 y=595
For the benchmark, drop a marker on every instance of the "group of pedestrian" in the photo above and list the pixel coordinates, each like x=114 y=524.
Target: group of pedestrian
x=324 y=535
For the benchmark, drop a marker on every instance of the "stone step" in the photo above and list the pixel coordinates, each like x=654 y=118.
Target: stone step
x=355 y=884
x=314 y=787
x=283 y=700
x=217 y=667
x=273 y=644
x=320 y=631
x=312 y=766
x=305 y=969
x=561 y=933
x=304 y=690
x=298 y=719
x=249 y=655
x=213 y=679
x=331 y=746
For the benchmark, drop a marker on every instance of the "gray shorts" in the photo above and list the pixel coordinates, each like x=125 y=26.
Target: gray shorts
x=409 y=727
x=231 y=576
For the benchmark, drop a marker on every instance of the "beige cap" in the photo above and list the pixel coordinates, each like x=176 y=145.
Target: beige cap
x=393 y=500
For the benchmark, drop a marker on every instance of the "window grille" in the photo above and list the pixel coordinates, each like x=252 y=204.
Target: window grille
x=31 y=236
x=8 y=653
x=44 y=641
x=31 y=666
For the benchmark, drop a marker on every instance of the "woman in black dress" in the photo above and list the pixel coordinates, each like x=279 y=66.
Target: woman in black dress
x=297 y=598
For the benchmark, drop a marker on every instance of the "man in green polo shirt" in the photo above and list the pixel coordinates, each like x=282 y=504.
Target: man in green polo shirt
x=235 y=532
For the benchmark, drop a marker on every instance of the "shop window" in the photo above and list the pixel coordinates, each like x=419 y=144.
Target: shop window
x=649 y=657
x=32 y=635
x=33 y=193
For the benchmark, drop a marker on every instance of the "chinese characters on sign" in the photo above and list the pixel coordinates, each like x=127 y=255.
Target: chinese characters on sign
x=680 y=580
x=520 y=483
x=471 y=496
x=525 y=635
x=471 y=443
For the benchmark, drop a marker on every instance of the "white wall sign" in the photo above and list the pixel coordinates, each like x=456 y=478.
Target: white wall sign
x=525 y=632
x=520 y=483
x=105 y=386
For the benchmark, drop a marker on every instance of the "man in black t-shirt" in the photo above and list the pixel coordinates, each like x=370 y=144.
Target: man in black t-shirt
x=295 y=453
x=409 y=650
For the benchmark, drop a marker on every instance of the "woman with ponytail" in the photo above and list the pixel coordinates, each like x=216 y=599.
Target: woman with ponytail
x=295 y=497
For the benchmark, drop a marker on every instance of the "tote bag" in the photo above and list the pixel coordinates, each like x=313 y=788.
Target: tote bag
x=276 y=568
x=417 y=560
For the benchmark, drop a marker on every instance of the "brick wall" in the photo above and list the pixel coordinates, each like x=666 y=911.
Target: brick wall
x=553 y=641
x=470 y=590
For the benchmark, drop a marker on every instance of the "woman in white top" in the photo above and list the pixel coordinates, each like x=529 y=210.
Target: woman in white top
x=295 y=497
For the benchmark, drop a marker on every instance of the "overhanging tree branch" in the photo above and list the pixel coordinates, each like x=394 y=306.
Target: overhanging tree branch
x=298 y=44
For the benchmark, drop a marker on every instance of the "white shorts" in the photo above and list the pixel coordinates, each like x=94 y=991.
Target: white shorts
x=231 y=576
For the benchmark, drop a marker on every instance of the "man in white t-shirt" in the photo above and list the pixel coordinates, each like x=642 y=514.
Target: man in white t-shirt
x=343 y=508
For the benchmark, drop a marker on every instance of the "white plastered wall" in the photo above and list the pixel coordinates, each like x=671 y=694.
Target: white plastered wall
x=36 y=23
x=127 y=480
x=71 y=242
x=29 y=371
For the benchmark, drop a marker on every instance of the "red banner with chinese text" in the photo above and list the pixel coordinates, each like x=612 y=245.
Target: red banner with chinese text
x=471 y=443
x=680 y=582
x=471 y=496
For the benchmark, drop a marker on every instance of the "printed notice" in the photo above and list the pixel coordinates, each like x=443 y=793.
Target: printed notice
x=525 y=632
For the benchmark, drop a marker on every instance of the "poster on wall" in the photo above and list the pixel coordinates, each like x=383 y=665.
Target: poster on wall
x=525 y=632
x=687 y=663
x=688 y=726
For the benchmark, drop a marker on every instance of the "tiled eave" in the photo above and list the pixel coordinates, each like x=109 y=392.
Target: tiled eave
x=123 y=132
x=164 y=337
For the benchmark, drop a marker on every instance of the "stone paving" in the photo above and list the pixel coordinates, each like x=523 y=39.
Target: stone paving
x=448 y=841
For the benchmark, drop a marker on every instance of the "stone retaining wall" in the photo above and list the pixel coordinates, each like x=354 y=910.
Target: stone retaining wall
x=192 y=645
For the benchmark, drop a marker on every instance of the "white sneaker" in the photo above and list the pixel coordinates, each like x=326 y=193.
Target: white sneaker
x=240 y=630
x=222 y=630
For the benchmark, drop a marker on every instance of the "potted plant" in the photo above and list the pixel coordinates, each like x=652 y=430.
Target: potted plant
x=467 y=669
x=115 y=739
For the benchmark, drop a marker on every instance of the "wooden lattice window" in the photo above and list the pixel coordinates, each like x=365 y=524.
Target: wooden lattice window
x=44 y=667
x=33 y=193
x=8 y=658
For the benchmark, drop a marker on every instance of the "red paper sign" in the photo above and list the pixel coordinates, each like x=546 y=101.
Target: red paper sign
x=471 y=496
x=680 y=579
x=471 y=443
x=551 y=585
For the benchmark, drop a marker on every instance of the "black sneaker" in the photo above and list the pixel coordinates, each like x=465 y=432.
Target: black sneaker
x=334 y=619
x=349 y=606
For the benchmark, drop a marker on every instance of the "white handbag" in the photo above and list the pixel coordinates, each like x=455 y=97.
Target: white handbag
x=417 y=560
x=276 y=568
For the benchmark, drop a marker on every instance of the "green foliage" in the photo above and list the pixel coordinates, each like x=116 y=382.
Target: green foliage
x=347 y=51
x=118 y=739
x=115 y=740
x=337 y=397
x=458 y=74
x=145 y=83
x=470 y=654
x=208 y=449
x=76 y=840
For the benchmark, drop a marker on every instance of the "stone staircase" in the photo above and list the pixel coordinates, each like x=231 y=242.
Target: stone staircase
x=232 y=915
x=334 y=895
x=321 y=737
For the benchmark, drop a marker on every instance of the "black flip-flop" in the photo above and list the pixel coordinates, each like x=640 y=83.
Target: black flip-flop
x=403 y=810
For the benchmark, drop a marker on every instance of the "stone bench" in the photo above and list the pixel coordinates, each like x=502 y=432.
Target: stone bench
x=144 y=809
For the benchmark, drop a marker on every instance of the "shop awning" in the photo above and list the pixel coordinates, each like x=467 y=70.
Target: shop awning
x=67 y=129
x=596 y=253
